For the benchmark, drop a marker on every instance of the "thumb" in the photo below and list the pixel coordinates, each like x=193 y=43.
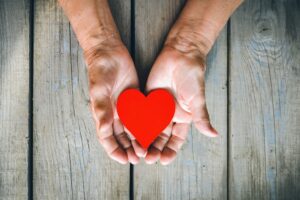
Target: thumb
x=200 y=116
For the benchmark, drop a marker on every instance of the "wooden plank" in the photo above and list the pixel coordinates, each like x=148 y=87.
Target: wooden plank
x=153 y=20
x=14 y=98
x=200 y=170
x=265 y=100
x=69 y=163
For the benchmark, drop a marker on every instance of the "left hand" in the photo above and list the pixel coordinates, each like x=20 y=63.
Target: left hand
x=111 y=71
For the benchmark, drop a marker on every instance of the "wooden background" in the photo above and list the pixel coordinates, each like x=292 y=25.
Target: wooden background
x=48 y=145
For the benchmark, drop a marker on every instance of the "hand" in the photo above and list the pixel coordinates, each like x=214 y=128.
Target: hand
x=180 y=68
x=110 y=71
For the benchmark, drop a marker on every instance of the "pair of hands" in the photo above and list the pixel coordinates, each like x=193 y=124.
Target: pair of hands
x=180 y=68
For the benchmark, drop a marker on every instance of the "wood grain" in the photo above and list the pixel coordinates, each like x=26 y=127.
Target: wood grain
x=14 y=98
x=69 y=163
x=265 y=101
x=153 y=20
x=200 y=169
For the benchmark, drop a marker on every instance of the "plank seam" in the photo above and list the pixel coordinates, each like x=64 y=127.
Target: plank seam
x=132 y=49
x=30 y=102
x=228 y=108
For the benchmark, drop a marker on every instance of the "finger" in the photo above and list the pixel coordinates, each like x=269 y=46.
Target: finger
x=138 y=149
x=178 y=137
x=123 y=139
x=200 y=116
x=157 y=146
x=181 y=114
x=103 y=117
x=120 y=134
x=112 y=148
x=132 y=157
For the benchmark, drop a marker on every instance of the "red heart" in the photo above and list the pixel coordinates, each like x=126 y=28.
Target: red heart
x=145 y=117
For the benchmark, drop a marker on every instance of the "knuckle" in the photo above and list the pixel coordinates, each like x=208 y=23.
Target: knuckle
x=175 y=143
x=123 y=140
x=163 y=136
x=177 y=139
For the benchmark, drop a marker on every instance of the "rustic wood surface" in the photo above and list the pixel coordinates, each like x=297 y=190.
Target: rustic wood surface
x=14 y=98
x=252 y=91
x=69 y=163
x=200 y=170
x=265 y=101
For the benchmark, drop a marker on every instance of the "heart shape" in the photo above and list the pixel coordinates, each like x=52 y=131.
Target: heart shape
x=145 y=117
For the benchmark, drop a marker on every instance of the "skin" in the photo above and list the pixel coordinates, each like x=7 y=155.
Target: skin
x=110 y=71
x=179 y=68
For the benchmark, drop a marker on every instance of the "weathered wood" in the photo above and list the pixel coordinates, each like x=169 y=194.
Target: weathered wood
x=69 y=163
x=200 y=169
x=14 y=98
x=153 y=20
x=265 y=100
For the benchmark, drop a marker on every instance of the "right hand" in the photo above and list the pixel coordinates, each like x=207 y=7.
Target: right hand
x=180 y=69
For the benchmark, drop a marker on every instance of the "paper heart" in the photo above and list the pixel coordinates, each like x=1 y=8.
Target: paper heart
x=145 y=117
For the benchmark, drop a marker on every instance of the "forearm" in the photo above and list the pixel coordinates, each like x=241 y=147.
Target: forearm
x=200 y=22
x=91 y=21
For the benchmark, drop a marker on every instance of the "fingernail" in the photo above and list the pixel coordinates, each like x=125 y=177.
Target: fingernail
x=144 y=154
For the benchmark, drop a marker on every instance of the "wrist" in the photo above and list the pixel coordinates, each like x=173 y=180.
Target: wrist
x=103 y=49
x=91 y=21
x=94 y=33
x=192 y=35
x=99 y=37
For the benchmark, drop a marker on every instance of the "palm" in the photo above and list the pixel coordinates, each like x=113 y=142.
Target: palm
x=183 y=75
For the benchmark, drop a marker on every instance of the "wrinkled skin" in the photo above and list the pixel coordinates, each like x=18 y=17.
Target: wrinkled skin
x=182 y=73
x=179 y=68
x=111 y=71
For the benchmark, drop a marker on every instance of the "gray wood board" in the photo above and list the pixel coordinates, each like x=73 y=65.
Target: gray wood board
x=200 y=169
x=69 y=163
x=265 y=100
x=14 y=98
